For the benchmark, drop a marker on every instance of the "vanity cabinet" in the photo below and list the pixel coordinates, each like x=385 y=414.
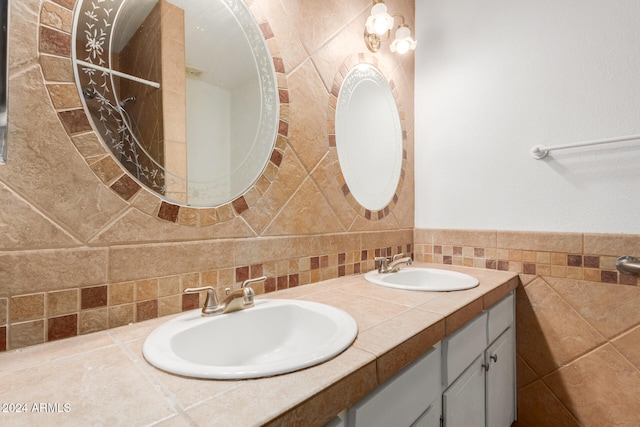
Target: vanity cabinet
x=411 y=396
x=483 y=392
x=466 y=380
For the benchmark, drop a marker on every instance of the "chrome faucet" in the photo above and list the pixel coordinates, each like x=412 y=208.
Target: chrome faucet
x=392 y=265
x=234 y=301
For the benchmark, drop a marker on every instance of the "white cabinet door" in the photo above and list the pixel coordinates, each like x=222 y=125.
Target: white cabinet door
x=430 y=417
x=463 y=403
x=501 y=380
x=401 y=400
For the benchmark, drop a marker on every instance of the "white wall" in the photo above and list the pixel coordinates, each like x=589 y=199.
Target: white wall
x=496 y=77
x=208 y=141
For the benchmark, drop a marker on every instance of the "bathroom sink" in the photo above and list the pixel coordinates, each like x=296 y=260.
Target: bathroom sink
x=273 y=337
x=423 y=279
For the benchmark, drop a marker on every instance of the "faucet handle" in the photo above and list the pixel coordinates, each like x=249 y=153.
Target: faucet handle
x=249 y=293
x=256 y=280
x=211 y=303
x=384 y=263
x=396 y=256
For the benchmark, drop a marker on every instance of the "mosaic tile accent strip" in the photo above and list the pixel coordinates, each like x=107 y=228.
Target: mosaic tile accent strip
x=49 y=316
x=580 y=266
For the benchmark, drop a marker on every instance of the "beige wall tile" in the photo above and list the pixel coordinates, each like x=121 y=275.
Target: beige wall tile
x=26 y=334
x=612 y=244
x=550 y=332
x=629 y=345
x=121 y=293
x=93 y=320
x=62 y=302
x=27 y=307
x=611 y=309
x=121 y=315
x=586 y=388
x=146 y=289
x=540 y=241
x=538 y=406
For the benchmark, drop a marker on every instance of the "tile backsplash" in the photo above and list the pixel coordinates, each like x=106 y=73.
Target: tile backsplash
x=577 y=319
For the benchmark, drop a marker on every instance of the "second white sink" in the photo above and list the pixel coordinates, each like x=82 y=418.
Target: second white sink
x=423 y=279
x=273 y=337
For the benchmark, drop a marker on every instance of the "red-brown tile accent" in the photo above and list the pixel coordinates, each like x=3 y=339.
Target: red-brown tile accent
x=190 y=302
x=591 y=261
x=342 y=258
x=294 y=280
x=267 y=32
x=126 y=187
x=168 y=212
x=276 y=157
x=283 y=128
x=240 y=205
x=242 y=273
x=146 y=310
x=528 y=268
x=270 y=285
x=315 y=262
x=607 y=276
x=283 y=95
x=55 y=42
x=282 y=283
x=574 y=260
x=93 y=297
x=3 y=338
x=62 y=327
x=278 y=64
x=74 y=121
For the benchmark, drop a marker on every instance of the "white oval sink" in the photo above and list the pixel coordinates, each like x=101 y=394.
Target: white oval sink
x=274 y=337
x=423 y=279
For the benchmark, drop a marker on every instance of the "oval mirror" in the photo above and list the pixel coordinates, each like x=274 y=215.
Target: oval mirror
x=182 y=92
x=369 y=136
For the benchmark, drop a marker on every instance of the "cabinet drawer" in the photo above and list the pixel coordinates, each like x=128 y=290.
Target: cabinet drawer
x=463 y=347
x=402 y=399
x=500 y=317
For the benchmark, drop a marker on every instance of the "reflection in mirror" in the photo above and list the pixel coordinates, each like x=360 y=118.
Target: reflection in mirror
x=369 y=137
x=182 y=92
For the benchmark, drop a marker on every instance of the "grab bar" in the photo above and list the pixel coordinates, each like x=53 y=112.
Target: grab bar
x=540 y=151
x=628 y=265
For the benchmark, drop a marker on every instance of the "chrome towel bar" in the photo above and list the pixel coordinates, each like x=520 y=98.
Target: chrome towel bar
x=541 y=151
x=628 y=265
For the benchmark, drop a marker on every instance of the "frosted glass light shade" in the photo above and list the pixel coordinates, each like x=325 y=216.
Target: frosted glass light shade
x=403 y=41
x=379 y=22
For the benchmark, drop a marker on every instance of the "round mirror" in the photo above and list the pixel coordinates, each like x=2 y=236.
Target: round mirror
x=368 y=136
x=182 y=92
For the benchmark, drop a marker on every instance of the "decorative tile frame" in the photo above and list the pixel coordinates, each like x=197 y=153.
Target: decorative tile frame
x=55 y=43
x=343 y=70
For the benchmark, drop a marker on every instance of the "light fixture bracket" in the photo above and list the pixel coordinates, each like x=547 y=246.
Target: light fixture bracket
x=374 y=40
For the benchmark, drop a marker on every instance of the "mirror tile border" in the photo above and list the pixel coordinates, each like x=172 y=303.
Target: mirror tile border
x=343 y=70
x=55 y=60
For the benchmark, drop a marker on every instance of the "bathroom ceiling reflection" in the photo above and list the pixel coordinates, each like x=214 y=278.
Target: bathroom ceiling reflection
x=182 y=92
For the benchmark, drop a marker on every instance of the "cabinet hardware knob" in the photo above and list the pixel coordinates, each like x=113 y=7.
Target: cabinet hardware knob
x=494 y=357
x=486 y=366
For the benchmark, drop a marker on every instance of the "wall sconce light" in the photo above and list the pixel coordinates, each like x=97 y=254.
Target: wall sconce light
x=379 y=25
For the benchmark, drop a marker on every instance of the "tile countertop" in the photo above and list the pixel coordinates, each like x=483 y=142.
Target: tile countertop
x=103 y=379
